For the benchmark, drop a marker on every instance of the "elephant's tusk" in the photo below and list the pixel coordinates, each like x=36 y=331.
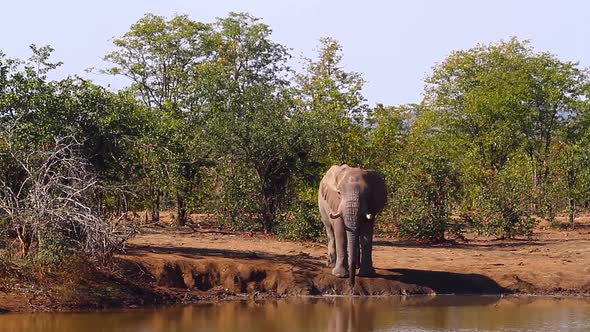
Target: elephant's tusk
x=335 y=216
x=369 y=216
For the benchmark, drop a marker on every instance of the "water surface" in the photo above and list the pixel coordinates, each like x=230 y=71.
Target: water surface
x=440 y=313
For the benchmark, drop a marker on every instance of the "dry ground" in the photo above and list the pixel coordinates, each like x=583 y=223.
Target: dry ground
x=206 y=262
x=186 y=265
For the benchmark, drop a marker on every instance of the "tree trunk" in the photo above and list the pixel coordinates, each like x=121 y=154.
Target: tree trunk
x=268 y=213
x=269 y=204
x=125 y=207
x=180 y=209
x=572 y=214
x=534 y=206
x=25 y=238
x=156 y=205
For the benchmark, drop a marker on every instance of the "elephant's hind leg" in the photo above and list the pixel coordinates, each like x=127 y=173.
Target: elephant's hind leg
x=366 y=241
x=331 y=261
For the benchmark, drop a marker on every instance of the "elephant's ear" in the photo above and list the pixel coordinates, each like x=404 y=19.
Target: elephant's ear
x=377 y=191
x=330 y=194
x=328 y=188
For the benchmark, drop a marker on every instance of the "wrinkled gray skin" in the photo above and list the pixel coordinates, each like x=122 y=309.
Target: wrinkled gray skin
x=349 y=198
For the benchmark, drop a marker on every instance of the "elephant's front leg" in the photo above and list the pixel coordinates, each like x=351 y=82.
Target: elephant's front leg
x=366 y=244
x=340 y=269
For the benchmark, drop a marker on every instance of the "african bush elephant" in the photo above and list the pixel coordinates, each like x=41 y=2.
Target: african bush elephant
x=349 y=199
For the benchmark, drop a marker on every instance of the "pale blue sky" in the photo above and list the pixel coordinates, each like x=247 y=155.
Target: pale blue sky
x=392 y=43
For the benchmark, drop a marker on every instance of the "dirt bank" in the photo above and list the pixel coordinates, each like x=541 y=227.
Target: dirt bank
x=206 y=263
x=183 y=265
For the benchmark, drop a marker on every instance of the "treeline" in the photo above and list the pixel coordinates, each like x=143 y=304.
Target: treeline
x=214 y=120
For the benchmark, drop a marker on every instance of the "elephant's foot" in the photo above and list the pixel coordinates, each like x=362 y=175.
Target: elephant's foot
x=366 y=272
x=331 y=261
x=340 y=272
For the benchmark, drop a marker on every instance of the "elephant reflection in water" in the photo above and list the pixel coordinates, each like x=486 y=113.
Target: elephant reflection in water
x=352 y=314
x=429 y=312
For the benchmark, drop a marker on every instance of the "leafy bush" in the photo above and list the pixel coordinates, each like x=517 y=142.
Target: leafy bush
x=54 y=248
x=426 y=199
x=502 y=201
x=237 y=202
x=302 y=222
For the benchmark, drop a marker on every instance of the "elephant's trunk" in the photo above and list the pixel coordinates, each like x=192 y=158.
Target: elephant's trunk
x=353 y=244
x=351 y=221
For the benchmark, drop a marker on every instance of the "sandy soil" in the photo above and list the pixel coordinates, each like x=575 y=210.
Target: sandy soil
x=187 y=265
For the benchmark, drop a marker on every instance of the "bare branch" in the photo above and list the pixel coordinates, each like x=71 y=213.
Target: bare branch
x=57 y=195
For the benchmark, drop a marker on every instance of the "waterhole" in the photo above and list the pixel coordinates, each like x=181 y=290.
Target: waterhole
x=429 y=313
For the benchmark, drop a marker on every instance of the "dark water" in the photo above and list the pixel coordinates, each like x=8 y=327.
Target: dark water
x=443 y=313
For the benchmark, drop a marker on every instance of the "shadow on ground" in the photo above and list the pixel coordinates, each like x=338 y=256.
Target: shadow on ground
x=442 y=282
x=463 y=245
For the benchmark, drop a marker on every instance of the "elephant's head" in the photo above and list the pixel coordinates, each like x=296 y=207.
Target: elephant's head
x=353 y=209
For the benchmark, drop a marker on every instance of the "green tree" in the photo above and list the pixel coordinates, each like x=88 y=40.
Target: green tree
x=477 y=99
x=390 y=149
x=572 y=162
x=106 y=124
x=502 y=99
x=55 y=150
x=252 y=112
x=391 y=130
x=478 y=95
x=27 y=95
x=554 y=94
x=161 y=58
x=332 y=100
